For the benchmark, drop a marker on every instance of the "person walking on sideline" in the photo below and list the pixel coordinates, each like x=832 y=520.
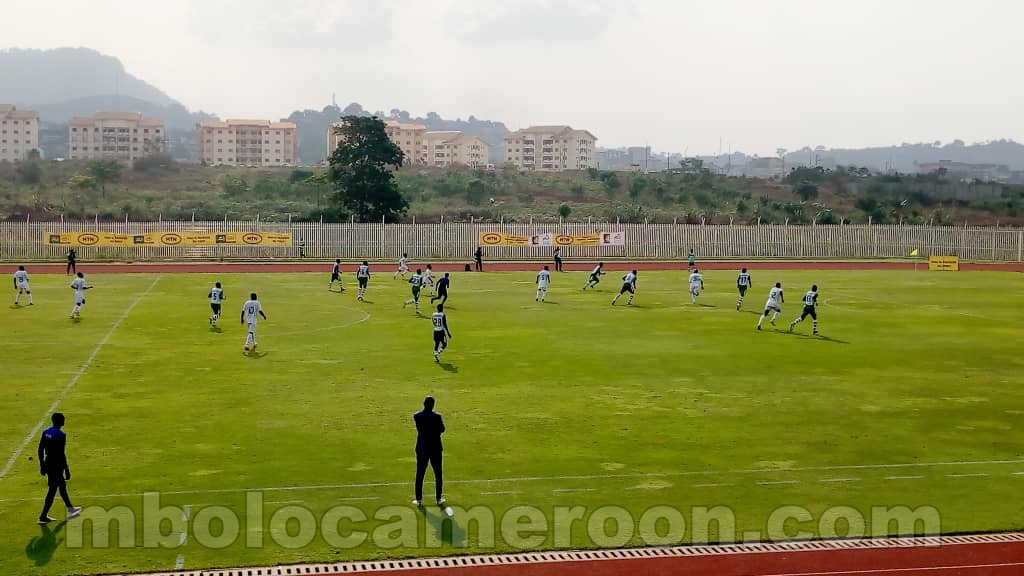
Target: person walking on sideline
x=478 y=259
x=72 y=262
x=302 y=247
x=53 y=463
x=558 y=259
x=429 y=427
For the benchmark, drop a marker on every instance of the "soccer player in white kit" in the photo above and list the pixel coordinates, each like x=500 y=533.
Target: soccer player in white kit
x=543 y=280
x=743 y=284
x=363 y=277
x=21 y=285
x=250 y=311
x=403 y=266
x=775 y=301
x=79 y=286
x=696 y=285
x=216 y=297
x=428 y=278
x=628 y=285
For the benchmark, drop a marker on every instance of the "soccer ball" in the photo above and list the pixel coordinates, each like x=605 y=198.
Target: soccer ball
x=246 y=347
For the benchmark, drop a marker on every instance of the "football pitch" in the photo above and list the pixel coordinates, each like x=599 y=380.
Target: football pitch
x=911 y=397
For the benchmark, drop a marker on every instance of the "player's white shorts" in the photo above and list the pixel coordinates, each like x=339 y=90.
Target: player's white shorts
x=403 y=268
x=772 y=306
x=23 y=286
x=542 y=286
x=695 y=289
x=252 y=327
x=79 y=299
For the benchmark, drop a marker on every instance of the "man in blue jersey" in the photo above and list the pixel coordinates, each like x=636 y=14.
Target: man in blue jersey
x=53 y=463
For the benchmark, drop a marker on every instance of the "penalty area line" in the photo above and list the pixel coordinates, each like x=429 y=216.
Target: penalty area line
x=71 y=383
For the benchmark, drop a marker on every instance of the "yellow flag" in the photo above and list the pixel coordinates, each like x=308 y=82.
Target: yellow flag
x=915 y=252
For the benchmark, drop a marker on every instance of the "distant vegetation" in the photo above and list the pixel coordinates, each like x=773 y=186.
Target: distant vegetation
x=158 y=187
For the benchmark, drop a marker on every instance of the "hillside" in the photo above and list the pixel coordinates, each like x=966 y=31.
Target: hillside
x=34 y=78
x=175 y=191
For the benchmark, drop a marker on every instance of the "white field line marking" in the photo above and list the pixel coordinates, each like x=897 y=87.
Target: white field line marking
x=827 y=480
x=284 y=502
x=778 y=482
x=359 y=499
x=366 y=316
x=71 y=383
x=179 y=562
x=718 y=485
x=571 y=490
x=501 y=492
x=903 y=570
x=965 y=475
x=557 y=478
x=1017 y=474
x=904 y=477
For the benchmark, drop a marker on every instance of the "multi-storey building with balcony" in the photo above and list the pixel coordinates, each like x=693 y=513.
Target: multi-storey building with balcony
x=426 y=148
x=122 y=136
x=550 y=148
x=19 y=133
x=248 y=143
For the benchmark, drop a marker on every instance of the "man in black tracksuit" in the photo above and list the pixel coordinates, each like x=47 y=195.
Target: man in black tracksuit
x=53 y=464
x=429 y=427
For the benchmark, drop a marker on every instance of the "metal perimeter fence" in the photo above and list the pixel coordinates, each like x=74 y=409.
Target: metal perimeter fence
x=457 y=241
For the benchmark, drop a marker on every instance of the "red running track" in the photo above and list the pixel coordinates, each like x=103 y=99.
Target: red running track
x=324 y=266
x=966 y=560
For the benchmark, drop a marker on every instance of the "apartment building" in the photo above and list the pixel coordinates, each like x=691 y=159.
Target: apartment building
x=550 y=148
x=447 y=148
x=427 y=148
x=122 y=136
x=248 y=143
x=19 y=133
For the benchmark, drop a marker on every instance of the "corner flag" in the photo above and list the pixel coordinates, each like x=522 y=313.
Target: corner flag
x=915 y=252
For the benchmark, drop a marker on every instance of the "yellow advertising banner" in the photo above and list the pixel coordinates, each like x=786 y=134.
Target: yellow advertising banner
x=944 y=263
x=169 y=239
x=550 y=239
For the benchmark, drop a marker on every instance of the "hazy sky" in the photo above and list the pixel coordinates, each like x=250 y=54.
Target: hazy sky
x=677 y=74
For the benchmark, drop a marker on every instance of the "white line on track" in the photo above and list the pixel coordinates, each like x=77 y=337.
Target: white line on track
x=71 y=384
x=959 y=568
x=523 y=479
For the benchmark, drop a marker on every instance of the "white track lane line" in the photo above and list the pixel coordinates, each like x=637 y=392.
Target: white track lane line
x=71 y=384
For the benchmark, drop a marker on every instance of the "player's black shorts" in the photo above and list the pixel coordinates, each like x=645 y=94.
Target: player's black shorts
x=442 y=292
x=743 y=290
x=215 y=308
x=626 y=288
x=439 y=337
x=809 y=311
x=335 y=277
x=594 y=279
x=362 y=281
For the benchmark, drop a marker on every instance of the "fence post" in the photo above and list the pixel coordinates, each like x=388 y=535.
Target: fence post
x=1020 y=246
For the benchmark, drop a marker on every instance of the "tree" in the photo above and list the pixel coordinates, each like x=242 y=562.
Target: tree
x=806 y=190
x=564 y=210
x=29 y=172
x=361 y=170
x=475 y=191
x=104 y=171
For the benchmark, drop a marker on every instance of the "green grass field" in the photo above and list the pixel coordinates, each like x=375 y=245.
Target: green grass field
x=913 y=396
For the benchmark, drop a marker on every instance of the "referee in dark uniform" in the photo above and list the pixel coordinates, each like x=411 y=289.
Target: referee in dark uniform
x=429 y=427
x=53 y=463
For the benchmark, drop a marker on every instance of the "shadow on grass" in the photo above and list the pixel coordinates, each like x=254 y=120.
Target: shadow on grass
x=446 y=530
x=449 y=367
x=40 y=549
x=256 y=355
x=216 y=329
x=785 y=332
x=706 y=305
